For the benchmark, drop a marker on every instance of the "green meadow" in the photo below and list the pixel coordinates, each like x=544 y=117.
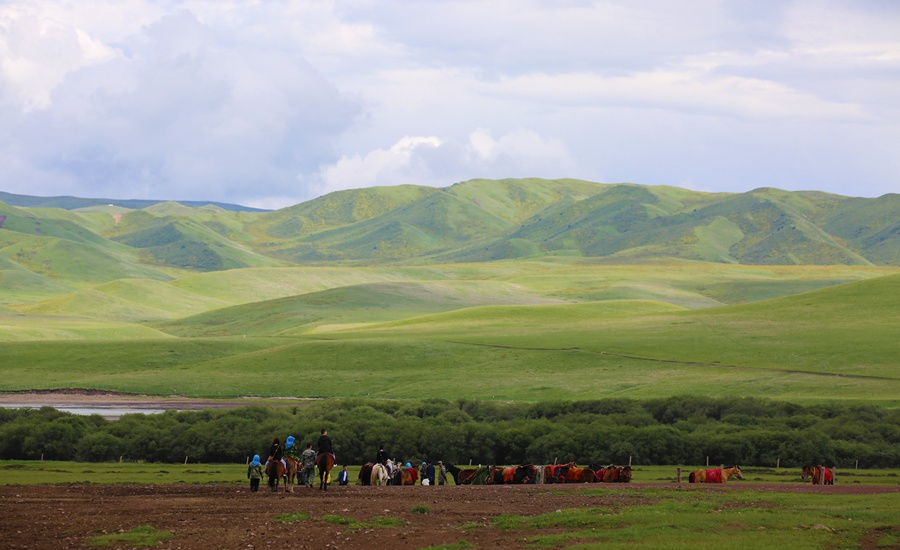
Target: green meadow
x=50 y=472
x=700 y=518
x=506 y=331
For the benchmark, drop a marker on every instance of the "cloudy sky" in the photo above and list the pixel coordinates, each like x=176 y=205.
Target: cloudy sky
x=269 y=103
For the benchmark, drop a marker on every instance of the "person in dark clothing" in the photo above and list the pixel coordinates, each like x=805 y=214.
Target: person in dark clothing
x=325 y=443
x=343 y=477
x=429 y=473
x=382 y=456
x=275 y=452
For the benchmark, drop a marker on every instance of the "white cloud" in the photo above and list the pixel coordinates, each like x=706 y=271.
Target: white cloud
x=421 y=160
x=266 y=102
x=393 y=166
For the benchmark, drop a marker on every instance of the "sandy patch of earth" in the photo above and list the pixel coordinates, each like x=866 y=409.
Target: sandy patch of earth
x=216 y=517
x=98 y=399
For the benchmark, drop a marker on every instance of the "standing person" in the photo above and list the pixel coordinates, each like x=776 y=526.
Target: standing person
x=422 y=474
x=343 y=477
x=442 y=473
x=308 y=462
x=429 y=473
x=254 y=474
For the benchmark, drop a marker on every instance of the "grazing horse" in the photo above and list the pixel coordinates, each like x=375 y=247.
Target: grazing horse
x=365 y=473
x=820 y=475
x=611 y=474
x=580 y=475
x=275 y=470
x=484 y=475
x=325 y=462
x=715 y=475
x=454 y=471
x=379 y=475
x=526 y=473
x=462 y=477
x=558 y=473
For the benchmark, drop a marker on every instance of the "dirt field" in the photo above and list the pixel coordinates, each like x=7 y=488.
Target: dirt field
x=217 y=517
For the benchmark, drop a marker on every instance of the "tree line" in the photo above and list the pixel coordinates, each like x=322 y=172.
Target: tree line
x=677 y=430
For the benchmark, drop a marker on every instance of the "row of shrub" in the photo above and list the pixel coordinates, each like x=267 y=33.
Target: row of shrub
x=680 y=430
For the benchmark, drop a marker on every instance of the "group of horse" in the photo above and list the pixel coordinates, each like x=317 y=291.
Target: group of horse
x=277 y=472
x=820 y=475
x=391 y=474
x=377 y=474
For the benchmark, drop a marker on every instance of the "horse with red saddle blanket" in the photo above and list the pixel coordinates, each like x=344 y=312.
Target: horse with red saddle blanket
x=613 y=474
x=715 y=475
x=820 y=475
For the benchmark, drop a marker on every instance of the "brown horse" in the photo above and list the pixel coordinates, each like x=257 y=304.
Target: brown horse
x=408 y=476
x=293 y=466
x=365 y=473
x=556 y=473
x=715 y=475
x=820 y=475
x=611 y=474
x=463 y=477
x=325 y=462
x=580 y=475
x=275 y=470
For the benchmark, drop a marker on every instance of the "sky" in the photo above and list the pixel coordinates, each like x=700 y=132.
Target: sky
x=270 y=103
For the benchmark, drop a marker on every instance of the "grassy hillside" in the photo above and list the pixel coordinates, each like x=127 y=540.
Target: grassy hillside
x=836 y=343
x=489 y=220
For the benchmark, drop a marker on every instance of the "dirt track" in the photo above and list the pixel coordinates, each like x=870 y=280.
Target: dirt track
x=217 y=517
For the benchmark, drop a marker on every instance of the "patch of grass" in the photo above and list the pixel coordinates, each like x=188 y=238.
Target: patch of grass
x=292 y=517
x=460 y=545
x=420 y=509
x=715 y=519
x=144 y=535
x=351 y=523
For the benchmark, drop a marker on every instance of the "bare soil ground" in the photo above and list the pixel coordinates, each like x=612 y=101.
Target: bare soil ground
x=217 y=517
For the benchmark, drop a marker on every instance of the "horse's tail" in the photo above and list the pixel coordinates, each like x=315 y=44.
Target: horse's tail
x=691 y=477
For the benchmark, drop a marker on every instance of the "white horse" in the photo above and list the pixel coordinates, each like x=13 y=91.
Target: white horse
x=379 y=475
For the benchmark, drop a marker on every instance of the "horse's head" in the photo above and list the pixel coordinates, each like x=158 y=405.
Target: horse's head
x=737 y=472
x=807 y=471
x=625 y=474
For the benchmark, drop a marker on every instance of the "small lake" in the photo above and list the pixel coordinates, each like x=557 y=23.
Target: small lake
x=113 y=412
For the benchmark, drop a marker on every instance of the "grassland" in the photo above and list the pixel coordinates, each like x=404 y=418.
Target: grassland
x=34 y=472
x=516 y=331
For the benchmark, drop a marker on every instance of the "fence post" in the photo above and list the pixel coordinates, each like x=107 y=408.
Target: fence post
x=778 y=463
x=678 y=477
x=185 y=460
x=629 y=461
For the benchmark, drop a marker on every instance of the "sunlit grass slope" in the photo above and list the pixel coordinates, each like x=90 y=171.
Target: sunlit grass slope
x=350 y=305
x=41 y=328
x=637 y=349
x=131 y=300
x=848 y=329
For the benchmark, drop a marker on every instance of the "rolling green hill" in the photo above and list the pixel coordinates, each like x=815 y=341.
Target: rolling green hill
x=487 y=220
x=509 y=290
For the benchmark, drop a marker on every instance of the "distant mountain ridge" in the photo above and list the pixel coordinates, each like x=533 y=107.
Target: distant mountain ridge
x=92 y=241
x=74 y=203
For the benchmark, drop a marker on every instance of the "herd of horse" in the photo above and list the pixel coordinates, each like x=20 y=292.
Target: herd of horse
x=391 y=474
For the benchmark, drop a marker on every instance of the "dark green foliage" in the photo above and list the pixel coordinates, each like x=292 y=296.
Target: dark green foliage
x=681 y=430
